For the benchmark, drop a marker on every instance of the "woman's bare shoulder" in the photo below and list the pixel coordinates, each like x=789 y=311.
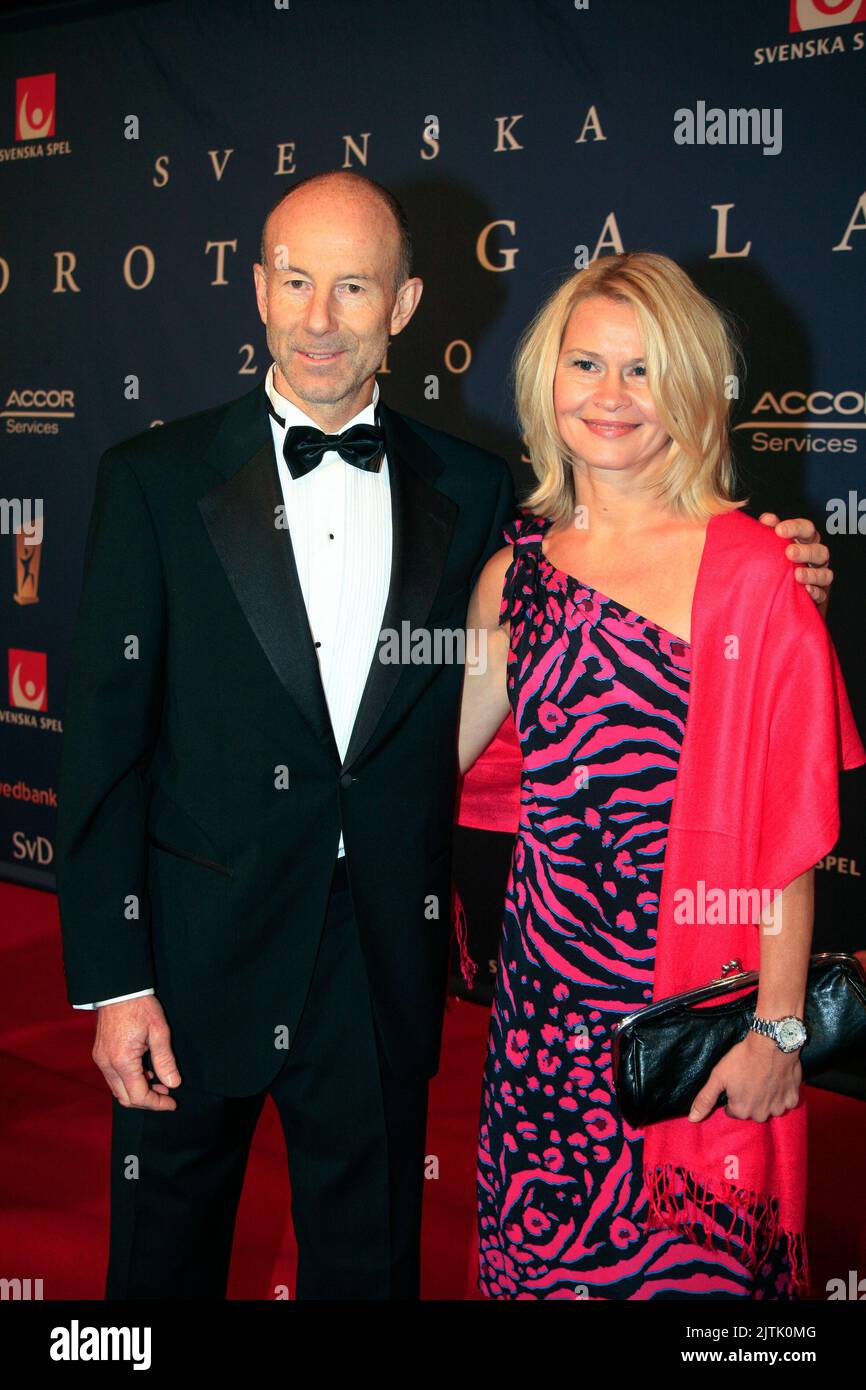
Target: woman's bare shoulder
x=488 y=591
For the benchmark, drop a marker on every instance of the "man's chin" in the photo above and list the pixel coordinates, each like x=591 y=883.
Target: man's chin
x=320 y=392
x=321 y=385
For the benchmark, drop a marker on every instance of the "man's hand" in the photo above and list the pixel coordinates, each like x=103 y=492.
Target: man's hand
x=806 y=550
x=124 y=1032
x=758 y=1078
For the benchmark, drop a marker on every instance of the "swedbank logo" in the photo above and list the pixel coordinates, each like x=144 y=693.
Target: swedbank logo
x=806 y=422
x=38 y=410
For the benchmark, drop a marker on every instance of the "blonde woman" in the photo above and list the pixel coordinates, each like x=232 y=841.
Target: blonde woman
x=681 y=719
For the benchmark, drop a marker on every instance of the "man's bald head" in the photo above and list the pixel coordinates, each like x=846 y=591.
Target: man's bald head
x=355 y=187
x=334 y=291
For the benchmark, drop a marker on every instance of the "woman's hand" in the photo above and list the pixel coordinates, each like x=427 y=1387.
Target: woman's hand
x=759 y=1079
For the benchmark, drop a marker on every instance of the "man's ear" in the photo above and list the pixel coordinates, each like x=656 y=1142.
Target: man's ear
x=260 y=282
x=407 y=301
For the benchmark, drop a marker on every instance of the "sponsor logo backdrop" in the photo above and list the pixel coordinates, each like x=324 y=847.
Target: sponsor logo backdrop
x=140 y=149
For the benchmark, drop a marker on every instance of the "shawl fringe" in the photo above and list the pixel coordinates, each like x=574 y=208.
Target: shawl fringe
x=681 y=1201
x=468 y=968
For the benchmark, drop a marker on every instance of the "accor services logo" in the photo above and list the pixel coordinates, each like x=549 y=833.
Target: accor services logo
x=37 y=409
x=807 y=422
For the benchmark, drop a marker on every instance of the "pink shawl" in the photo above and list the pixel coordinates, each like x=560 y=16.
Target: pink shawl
x=768 y=728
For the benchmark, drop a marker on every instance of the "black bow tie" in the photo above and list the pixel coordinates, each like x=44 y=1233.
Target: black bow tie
x=304 y=446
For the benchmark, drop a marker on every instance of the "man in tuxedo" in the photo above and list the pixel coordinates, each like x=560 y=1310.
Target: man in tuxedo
x=255 y=812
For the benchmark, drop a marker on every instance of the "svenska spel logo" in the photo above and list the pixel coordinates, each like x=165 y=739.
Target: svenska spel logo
x=35 y=103
x=28 y=679
x=825 y=14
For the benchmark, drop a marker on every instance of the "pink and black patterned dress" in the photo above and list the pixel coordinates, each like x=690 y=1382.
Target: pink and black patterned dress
x=599 y=696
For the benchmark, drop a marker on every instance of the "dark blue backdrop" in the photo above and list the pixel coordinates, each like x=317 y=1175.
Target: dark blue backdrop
x=134 y=182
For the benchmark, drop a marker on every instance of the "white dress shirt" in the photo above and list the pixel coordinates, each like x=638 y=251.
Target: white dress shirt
x=339 y=520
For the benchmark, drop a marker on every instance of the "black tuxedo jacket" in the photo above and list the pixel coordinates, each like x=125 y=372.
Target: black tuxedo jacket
x=183 y=861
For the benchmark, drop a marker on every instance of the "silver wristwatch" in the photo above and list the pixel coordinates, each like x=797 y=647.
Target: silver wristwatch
x=789 y=1033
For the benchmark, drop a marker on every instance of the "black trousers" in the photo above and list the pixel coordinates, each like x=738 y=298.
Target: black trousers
x=355 y=1145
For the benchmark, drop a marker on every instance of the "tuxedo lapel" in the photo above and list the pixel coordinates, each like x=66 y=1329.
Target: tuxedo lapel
x=257 y=556
x=422 y=520
x=259 y=562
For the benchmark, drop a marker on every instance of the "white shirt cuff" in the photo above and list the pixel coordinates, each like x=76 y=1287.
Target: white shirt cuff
x=117 y=1000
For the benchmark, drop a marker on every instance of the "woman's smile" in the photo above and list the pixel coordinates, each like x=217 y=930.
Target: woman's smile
x=608 y=429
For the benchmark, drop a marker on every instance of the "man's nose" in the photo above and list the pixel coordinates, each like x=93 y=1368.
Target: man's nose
x=319 y=317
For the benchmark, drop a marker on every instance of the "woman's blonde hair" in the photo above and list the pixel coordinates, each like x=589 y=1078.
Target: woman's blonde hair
x=691 y=356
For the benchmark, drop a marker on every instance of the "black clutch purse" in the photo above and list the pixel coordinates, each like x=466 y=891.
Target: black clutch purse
x=663 y=1054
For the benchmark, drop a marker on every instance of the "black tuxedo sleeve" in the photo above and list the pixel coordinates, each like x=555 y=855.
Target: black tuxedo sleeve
x=503 y=513
x=111 y=722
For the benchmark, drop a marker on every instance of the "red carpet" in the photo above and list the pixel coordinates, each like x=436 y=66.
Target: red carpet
x=57 y=1118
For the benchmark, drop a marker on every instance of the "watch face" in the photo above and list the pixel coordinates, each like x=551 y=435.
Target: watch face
x=791 y=1033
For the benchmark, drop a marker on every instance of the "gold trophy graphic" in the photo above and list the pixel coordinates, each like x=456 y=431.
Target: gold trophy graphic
x=27 y=557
